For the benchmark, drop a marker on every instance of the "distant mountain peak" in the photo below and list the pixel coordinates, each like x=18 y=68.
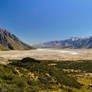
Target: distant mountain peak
x=73 y=42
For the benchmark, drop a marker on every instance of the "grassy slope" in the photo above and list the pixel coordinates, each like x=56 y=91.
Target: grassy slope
x=29 y=75
x=82 y=68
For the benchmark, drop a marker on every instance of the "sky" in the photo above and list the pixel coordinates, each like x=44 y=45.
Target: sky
x=37 y=21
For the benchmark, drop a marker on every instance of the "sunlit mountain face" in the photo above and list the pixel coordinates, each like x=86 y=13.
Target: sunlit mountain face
x=9 y=41
x=74 y=42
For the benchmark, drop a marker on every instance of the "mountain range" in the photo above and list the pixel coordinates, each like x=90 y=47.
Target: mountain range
x=9 y=41
x=74 y=43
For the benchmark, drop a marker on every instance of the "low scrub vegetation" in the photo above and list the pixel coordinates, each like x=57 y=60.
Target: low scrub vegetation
x=30 y=75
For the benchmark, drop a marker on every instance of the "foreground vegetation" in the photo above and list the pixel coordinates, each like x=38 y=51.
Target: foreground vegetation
x=29 y=75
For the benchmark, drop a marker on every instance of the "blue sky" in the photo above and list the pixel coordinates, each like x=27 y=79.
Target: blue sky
x=35 y=21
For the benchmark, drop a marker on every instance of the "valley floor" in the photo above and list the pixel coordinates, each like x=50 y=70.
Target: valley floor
x=47 y=54
x=72 y=72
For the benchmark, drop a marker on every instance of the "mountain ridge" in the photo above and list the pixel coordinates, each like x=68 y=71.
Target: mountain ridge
x=73 y=43
x=9 y=41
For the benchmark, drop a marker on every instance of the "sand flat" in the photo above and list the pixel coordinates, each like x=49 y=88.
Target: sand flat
x=47 y=54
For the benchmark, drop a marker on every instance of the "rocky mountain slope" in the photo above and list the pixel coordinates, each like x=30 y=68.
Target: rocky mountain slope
x=9 y=41
x=75 y=42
